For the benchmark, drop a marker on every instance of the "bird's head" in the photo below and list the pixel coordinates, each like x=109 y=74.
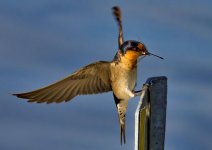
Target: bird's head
x=129 y=51
x=132 y=50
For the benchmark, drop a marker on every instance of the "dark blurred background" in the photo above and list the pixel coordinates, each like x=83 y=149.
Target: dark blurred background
x=42 y=41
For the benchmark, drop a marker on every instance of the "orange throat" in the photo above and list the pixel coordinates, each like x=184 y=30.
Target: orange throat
x=129 y=60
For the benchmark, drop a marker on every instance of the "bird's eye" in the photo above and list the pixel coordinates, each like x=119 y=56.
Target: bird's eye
x=144 y=53
x=134 y=48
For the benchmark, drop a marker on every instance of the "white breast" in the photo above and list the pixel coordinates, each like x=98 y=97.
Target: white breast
x=123 y=81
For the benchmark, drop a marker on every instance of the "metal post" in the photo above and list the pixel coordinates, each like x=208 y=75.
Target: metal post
x=150 y=115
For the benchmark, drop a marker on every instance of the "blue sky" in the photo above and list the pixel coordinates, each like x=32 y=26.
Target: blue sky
x=42 y=41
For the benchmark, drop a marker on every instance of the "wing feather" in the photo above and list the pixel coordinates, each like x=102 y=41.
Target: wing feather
x=91 y=79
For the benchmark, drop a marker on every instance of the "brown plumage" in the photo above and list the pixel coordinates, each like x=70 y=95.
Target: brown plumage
x=91 y=79
x=117 y=14
x=119 y=76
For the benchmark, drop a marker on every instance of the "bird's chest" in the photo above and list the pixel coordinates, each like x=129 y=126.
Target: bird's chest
x=122 y=80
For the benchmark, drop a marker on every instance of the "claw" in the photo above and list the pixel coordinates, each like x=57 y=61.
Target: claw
x=137 y=93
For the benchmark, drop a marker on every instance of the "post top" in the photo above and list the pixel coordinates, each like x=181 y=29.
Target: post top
x=153 y=80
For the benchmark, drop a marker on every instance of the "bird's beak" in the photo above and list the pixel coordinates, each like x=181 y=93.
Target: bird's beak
x=154 y=55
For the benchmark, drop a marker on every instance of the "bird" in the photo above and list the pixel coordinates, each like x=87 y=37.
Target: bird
x=118 y=76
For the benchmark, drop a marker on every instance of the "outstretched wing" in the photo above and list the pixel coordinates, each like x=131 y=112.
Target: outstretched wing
x=91 y=79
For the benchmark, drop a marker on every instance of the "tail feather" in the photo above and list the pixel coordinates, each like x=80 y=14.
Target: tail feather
x=121 y=106
x=117 y=14
x=122 y=133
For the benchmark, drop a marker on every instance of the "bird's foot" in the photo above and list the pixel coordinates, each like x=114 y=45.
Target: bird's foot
x=137 y=93
x=133 y=93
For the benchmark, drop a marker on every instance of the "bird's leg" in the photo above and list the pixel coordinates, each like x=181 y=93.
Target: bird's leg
x=137 y=93
x=133 y=93
x=141 y=92
x=129 y=92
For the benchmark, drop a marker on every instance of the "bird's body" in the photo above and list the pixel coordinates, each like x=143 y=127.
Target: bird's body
x=119 y=76
x=123 y=79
